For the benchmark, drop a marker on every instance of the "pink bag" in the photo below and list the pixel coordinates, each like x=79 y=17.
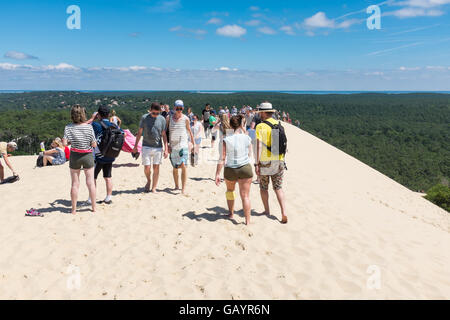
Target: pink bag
x=128 y=144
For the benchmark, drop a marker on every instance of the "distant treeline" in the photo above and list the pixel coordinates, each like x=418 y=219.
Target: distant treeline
x=405 y=136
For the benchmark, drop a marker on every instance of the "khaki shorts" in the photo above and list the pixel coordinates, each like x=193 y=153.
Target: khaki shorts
x=234 y=174
x=274 y=170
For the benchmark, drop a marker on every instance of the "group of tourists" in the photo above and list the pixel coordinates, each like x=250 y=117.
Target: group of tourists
x=242 y=135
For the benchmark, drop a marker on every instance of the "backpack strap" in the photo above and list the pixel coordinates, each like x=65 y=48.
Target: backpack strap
x=270 y=124
x=103 y=124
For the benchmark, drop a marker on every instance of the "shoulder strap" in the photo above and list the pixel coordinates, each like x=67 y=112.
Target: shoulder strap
x=104 y=126
x=270 y=124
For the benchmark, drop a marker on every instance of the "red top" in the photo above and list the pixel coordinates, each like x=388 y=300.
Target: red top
x=67 y=152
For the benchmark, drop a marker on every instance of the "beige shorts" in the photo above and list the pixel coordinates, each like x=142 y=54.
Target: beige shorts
x=151 y=156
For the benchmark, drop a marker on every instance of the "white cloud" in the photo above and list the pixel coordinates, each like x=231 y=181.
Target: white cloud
x=233 y=31
x=61 y=66
x=411 y=12
x=137 y=68
x=267 y=30
x=409 y=68
x=18 y=55
x=423 y=3
x=223 y=78
x=254 y=8
x=226 y=69
x=319 y=20
x=253 y=23
x=214 y=21
x=8 y=66
x=436 y=68
x=288 y=30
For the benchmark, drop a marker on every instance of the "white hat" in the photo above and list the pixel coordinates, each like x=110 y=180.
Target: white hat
x=266 y=107
x=179 y=103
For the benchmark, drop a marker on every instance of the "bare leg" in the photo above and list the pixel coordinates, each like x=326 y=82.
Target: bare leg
x=147 y=172
x=75 y=176
x=90 y=183
x=244 y=190
x=265 y=200
x=281 y=201
x=183 y=178
x=47 y=159
x=231 y=185
x=175 y=179
x=155 y=177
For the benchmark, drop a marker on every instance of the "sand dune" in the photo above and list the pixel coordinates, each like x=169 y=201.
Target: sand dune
x=346 y=221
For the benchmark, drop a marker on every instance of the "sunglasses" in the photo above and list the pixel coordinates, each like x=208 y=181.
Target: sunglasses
x=154 y=113
x=179 y=109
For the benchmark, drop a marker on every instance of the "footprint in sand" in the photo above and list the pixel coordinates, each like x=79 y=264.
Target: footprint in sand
x=240 y=244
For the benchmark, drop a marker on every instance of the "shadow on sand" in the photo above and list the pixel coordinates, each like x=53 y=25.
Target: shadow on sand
x=132 y=191
x=142 y=190
x=126 y=165
x=213 y=215
x=202 y=179
x=65 y=206
x=219 y=213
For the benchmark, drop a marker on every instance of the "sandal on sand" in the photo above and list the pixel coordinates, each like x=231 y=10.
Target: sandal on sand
x=33 y=213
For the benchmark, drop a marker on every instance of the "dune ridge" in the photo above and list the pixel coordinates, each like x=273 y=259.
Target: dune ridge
x=345 y=221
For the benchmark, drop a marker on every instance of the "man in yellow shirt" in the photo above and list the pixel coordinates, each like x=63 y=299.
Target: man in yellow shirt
x=4 y=149
x=270 y=164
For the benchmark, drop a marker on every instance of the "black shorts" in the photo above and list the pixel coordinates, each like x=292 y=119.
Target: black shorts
x=106 y=167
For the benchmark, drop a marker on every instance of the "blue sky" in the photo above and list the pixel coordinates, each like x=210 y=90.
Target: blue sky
x=232 y=45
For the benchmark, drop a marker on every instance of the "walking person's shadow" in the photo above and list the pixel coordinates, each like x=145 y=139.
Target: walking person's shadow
x=213 y=215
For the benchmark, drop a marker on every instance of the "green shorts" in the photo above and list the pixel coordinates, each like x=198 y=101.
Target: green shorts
x=81 y=160
x=234 y=174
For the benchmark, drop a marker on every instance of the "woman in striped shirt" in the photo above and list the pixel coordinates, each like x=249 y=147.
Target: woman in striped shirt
x=81 y=137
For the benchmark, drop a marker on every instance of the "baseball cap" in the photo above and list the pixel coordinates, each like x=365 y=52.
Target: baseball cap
x=179 y=103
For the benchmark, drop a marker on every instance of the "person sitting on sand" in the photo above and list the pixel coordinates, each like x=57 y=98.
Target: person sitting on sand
x=81 y=136
x=179 y=130
x=4 y=149
x=55 y=156
x=269 y=164
x=152 y=127
x=235 y=156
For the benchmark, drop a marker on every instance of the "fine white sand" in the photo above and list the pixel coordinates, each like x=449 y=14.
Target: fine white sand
x=353 y=233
